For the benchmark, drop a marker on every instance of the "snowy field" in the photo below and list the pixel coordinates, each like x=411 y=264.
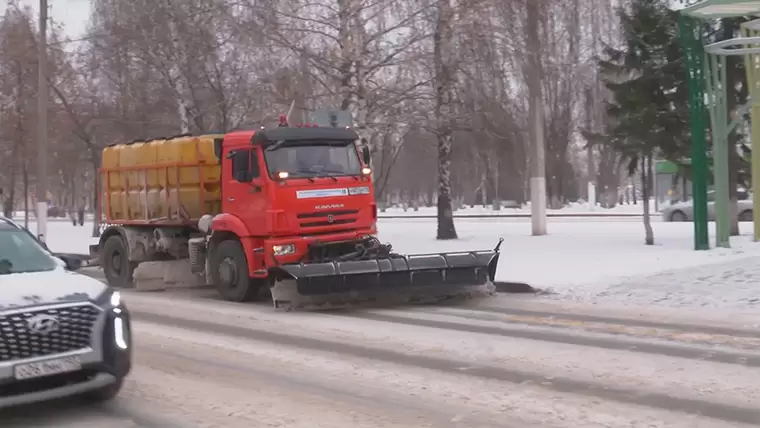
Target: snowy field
x=593 y=260
x=581 y=209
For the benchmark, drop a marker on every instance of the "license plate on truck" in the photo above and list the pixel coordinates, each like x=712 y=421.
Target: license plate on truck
x=47 y=368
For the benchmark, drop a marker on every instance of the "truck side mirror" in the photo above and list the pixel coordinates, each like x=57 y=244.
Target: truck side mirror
x=365 y=155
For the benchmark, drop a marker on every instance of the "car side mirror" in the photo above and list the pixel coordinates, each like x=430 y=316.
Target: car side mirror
x=366 y=155
x=71 y=263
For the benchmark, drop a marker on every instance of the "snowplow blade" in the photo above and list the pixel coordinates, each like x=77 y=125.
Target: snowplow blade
x=419 y=278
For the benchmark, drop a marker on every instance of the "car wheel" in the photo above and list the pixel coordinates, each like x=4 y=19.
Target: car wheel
x=746 y=215
x=118 y=269
x=229 y=272
x=105 y=393
x=678 y=216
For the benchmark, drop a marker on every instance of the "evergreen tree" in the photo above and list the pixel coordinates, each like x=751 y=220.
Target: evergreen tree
x=649 y=110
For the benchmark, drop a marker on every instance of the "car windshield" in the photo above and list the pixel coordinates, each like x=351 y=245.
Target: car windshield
x=21 y=253
x=313 y=159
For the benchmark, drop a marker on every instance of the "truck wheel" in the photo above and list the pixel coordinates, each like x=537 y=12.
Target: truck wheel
x=229 y=271
x=116 y=265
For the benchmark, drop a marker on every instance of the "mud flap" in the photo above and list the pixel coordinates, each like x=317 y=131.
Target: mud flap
x=419 y=278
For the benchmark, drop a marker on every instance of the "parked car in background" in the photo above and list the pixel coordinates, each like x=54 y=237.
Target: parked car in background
x=61 y=333
x=684 y=211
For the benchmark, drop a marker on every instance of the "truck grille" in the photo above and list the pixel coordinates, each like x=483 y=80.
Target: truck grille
x=74 y=332
x=328 y=218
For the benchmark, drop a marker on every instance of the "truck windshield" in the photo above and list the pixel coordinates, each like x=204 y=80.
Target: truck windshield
x=20 y=253
x=314 y=159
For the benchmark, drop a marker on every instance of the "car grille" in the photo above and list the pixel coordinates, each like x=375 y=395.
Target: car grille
x=74 y=332
x=327 y=218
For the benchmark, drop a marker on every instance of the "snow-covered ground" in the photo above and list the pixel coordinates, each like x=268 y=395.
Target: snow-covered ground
x=594 y=260
x=584 y=209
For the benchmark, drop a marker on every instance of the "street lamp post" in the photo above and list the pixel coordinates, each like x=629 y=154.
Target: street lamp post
x=42 y=126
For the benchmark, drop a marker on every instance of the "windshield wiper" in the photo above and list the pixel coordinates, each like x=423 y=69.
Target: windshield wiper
x=332 y=175
x=276 y=146
x=303 y=173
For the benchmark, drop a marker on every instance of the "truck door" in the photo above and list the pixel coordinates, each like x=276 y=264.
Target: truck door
x=243 y=195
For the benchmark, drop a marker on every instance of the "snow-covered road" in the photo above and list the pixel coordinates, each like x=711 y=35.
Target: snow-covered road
x=499 y=362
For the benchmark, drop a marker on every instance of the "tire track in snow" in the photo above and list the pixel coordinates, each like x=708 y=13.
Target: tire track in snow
x=725 y=412
x=689 y=333
x=545 y=335
x=544 y=316
x=357 y=335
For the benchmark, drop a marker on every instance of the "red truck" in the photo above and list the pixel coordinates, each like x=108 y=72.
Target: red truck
x=288 y=210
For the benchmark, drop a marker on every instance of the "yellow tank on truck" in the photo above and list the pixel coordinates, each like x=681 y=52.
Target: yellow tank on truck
x=161 y=181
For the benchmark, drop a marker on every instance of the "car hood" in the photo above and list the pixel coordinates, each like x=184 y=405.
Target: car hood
x=56 y=286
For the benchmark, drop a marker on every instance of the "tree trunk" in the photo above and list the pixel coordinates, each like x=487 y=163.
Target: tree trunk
x=9 y=203
x=536 y=113
x=346 y=63
x=730 y=28
x=25 y=178
x=444 y=82
x=646 y=172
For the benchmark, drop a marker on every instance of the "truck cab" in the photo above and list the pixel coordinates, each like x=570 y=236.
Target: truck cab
x=291 y=195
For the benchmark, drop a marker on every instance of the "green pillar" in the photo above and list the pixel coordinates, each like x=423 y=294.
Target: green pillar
x=716 y=90
x=691 y=40
x=752 y=67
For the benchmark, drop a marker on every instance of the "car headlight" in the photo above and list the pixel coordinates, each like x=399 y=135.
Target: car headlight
x=283 y=250
x=120 y=333
x=109 y=300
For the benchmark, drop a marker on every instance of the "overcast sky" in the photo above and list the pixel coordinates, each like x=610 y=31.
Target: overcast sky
x=72 y=14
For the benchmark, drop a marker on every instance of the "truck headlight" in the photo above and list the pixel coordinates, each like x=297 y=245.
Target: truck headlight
x=283 y=250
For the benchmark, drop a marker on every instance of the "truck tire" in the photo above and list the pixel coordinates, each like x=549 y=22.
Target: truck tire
x=229 y=271
x=118 y=269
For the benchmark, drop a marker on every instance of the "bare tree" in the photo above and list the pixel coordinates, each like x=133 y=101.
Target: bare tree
x=443 y=58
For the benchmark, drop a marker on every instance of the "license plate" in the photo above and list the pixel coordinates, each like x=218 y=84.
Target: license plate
x=47 y=368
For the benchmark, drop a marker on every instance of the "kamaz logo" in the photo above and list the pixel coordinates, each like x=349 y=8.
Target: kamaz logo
x=328 y=207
